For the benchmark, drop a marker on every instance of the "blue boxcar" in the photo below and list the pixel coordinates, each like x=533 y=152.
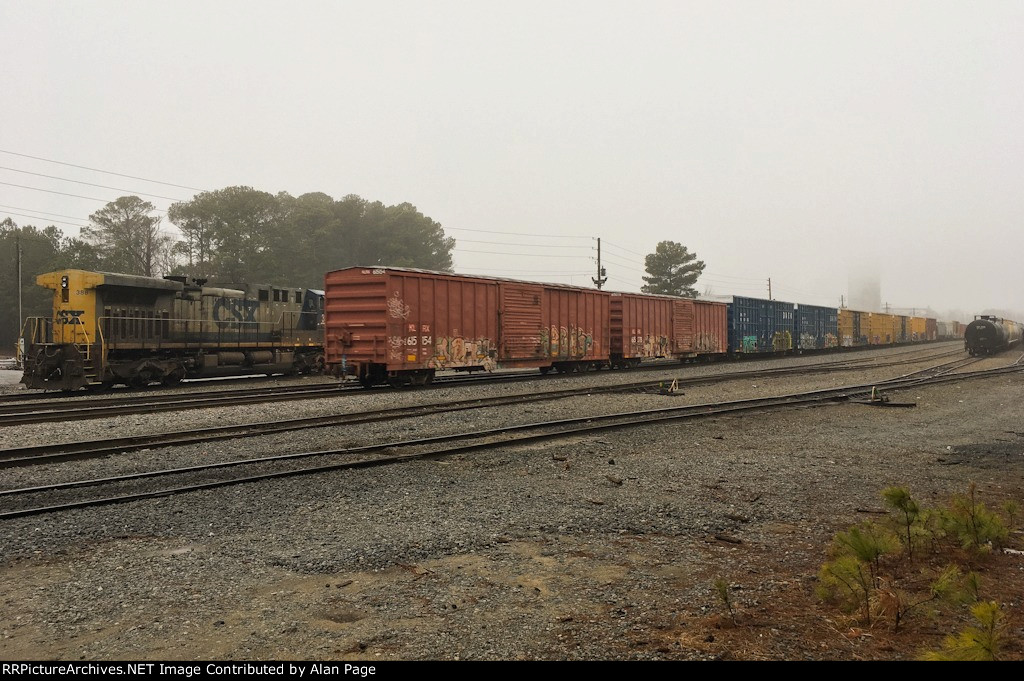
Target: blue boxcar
x=760 y=326
x=817 y=327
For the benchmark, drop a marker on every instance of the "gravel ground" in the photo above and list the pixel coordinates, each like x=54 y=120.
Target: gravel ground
x=581 y=548
x=9 y=380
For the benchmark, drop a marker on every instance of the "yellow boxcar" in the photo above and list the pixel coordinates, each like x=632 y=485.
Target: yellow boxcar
x=853 y=328
x=900 y=328
x=918 y=329
x=881 y=328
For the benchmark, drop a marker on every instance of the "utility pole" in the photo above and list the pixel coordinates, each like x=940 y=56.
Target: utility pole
x=601 y=277
x=842 y=301
x=17 y=247
x=769 y=288
x=887 y=308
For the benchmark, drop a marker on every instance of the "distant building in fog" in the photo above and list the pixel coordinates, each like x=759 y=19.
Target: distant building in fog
x=865 y=291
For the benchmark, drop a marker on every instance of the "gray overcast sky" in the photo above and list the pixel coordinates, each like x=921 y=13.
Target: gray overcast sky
x=781 y=139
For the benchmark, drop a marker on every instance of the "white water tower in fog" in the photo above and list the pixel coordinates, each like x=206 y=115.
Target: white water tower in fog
x=865 y=290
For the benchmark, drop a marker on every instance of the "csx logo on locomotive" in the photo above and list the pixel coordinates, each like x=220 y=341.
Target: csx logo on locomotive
x=68 y=317
x=232 y=312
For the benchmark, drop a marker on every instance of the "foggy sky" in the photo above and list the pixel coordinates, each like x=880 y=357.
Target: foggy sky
x=776 y=139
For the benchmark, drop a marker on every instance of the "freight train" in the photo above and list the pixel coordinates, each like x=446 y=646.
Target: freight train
x=988 y=335
x=400 y=326
x=111 y=329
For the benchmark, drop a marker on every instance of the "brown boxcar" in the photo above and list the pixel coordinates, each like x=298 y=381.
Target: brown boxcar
x=931 y=329
x=710 y=327
x=647 y=326
x=401 y=325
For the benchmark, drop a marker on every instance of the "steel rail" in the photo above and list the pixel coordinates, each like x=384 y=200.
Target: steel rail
x=51 y=453
x=517 y=434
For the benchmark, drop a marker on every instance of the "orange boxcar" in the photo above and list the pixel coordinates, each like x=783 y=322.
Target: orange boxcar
x=400 y=326
x=650 y=326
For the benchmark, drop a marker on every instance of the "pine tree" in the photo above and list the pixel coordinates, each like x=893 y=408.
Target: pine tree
x=672 y=270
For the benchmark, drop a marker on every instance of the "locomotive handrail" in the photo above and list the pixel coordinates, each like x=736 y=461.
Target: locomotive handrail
x=231 y=332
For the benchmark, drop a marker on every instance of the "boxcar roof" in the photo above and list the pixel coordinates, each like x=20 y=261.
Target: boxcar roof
x=414 y=270
x=731 y=298
x=698 y=299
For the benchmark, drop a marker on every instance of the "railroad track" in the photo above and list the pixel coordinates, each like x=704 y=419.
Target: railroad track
x=38 y=400
x=62 y=411
x=53 y=453
x=137 y=486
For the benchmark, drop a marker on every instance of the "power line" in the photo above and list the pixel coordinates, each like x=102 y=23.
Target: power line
x=97 y=170
x=630 y=266
x=608 y=243
x=537 y=274
x=36 y=217
x=509 y=243
x=548 y=236
x=43 y=212
x=623 y=281
x=491 y=269
x=77 y=196
x=731 y=276
x=528 y=255
x=91 y=184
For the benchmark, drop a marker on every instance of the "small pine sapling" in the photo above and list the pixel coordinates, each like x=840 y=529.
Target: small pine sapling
x=907 y=514
x=1012 y=509
x=973 y=524
x=972 y=587
x=722 y=589
x=898 y=604
x=974 y=643
x=849 y=581
x=867 y=542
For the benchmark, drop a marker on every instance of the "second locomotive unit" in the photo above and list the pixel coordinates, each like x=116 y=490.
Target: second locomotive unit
x=117 y=328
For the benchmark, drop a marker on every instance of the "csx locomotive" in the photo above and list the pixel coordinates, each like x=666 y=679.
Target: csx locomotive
x=122 y=329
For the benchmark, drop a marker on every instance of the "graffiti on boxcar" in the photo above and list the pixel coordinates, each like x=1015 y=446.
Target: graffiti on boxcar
x=230 y=313
x=397 y=307
x=782 y=340
x=549 y=342
x=649 y=345
x=456 y=351
x=396 y=345
x=706 y=342
x=831 y=340
x=565 y=342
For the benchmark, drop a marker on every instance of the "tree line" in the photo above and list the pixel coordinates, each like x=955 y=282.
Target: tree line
x=232 y=235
